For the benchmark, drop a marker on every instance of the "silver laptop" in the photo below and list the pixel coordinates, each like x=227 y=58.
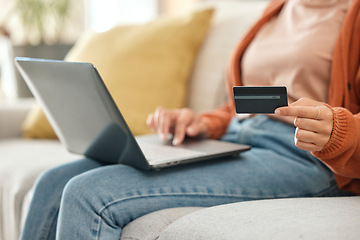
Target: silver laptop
x=87 y=121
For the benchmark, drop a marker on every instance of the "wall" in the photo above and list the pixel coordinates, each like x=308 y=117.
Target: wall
x=173 y=7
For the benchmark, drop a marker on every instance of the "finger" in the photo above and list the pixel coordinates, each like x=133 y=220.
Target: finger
x=307 y=146
x=306 y=102
x=157 y=113
x=299 y=111
x=193 y=129
x=164 y=124
x=318 y=126
x=196 y=128
x=305 y=136
x=184 y=119
x=311 y=137
x=150 y=121
x=306 y=124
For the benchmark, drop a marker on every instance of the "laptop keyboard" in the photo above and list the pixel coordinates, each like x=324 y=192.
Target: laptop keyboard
x=157 y=154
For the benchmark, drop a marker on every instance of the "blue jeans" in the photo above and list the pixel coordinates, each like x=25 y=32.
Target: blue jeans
x=88 y=200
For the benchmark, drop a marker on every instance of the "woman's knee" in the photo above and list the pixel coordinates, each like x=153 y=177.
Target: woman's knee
x=54 y=179
x=81 y=188
x=100 y=186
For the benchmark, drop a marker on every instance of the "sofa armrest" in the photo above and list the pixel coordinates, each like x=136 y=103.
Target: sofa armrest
x=12 y=116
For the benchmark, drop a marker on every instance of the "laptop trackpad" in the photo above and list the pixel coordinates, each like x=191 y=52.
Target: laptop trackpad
x=158 y=154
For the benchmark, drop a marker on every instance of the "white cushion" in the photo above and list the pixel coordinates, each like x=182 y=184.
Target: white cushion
x=21 y=162
x=283 y=219
x=150 y=226
x=12 y=115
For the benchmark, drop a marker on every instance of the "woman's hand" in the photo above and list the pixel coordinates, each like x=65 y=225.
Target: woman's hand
x=179 y=122
x=313 y=122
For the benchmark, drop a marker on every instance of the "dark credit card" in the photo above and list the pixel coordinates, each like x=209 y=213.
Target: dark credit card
x=259 y=99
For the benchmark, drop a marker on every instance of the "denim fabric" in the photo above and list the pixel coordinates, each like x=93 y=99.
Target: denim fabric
x=98 y=201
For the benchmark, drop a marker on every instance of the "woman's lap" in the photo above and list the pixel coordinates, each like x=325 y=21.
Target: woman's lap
x=109 y=197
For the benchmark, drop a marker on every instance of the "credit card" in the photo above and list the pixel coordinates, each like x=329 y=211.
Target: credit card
x=257 y=99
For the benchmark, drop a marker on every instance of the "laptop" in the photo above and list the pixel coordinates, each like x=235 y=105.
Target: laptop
x=88 y=122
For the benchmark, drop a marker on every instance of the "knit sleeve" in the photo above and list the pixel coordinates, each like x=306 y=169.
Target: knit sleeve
x=342 y=153
x=218 y=120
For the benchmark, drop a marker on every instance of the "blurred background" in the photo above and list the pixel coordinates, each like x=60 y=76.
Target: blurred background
x=49 y=28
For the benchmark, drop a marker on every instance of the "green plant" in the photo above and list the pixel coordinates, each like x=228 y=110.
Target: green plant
x=43 y=20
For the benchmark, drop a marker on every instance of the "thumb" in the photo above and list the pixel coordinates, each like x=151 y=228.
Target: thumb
x=305 y=102
x=195 y=129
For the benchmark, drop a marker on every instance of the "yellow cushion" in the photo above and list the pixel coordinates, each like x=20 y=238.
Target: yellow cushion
x=143 y=67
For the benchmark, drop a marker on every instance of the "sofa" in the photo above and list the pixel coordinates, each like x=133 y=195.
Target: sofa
x=22 y=160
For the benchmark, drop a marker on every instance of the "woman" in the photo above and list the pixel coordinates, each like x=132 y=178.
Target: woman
x=310 y=148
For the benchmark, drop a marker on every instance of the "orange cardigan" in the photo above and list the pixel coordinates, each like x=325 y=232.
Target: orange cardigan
x=342 y=152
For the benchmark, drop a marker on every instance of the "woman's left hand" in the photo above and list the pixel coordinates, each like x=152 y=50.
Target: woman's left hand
x=313 y=122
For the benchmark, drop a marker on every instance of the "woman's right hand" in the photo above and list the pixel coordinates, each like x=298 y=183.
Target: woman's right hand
x=179 y=122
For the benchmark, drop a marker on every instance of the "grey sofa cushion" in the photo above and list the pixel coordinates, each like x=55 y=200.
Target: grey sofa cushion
x=304 y=218
x=149 y=227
